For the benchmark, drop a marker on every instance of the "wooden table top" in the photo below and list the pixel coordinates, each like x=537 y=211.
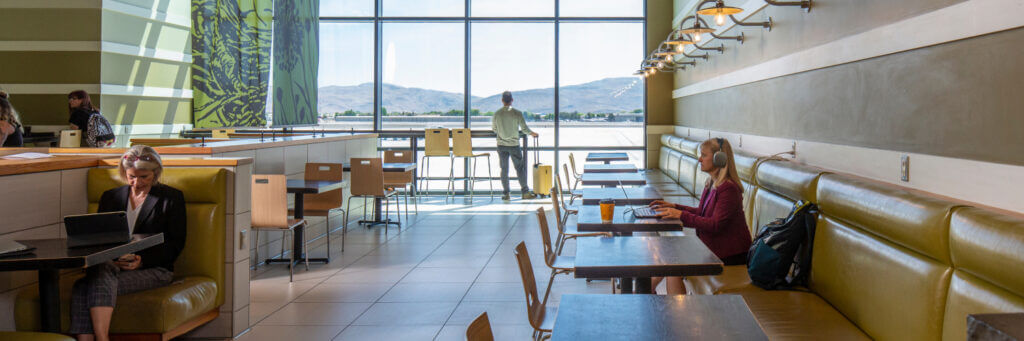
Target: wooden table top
x=642 y=195
x=654 y=317
x=54 y=253
x=606 y=257
x=314 y=186
x=598 y=157
x=589 y=219
x=609 y=168
x=387 y=167
x=613 y=179
x=57 y=162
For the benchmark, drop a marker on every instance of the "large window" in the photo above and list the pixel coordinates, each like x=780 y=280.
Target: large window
x=406 y=65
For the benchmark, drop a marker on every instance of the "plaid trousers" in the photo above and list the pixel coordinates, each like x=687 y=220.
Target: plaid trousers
x=101 y=286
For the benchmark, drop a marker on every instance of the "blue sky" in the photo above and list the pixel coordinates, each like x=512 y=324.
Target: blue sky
x=505 y=56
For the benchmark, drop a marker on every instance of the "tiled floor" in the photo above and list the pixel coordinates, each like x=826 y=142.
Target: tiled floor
x=425 y=281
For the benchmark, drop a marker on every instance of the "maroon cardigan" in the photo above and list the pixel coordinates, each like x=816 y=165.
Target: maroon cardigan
x=719 y=220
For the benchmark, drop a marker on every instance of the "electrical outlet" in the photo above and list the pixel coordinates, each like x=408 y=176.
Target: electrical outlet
x=905 y=168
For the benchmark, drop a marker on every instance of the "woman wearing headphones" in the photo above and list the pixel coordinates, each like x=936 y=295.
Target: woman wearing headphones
x=719 y=219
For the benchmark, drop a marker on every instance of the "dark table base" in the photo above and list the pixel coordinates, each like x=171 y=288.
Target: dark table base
x=377 y=219
x=49 y=300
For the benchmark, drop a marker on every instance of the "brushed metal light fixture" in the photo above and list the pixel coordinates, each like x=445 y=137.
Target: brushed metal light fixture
x=805 y=4
x=719 y=11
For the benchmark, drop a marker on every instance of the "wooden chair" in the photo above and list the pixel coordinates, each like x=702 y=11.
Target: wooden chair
x=324 y=204
x=480 y=329
x=566 y=232
x=403 y=179
x=270 y=213
x=436 y=144
x=575 y=173
x=542 y=318
x=573 y=193
x=558 y=264
x=567 y=209
x=462 y=147
x=368 y=183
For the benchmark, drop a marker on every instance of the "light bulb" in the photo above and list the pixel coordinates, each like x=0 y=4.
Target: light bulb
x=696 y=37
x=679 y=48
x=660 y=64
x=719 y=19
x=668 y=58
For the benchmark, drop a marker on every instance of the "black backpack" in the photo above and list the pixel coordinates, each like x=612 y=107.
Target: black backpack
x=780 y=256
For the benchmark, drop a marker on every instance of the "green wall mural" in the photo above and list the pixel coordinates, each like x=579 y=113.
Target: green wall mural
x=296 y=53
x=231 y=62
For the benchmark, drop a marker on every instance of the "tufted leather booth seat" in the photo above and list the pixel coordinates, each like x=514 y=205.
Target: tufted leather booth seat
x=780 y=184
x=197 y=292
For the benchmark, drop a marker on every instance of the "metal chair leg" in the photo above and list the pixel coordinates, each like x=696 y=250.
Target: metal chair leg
x=451 y=180
x=328 y=234
x=305 y=251
x=344 y=229
x=472 y=181
x=406 y=194
x=291 y=268
x=547 y=291
x=257 y=241
x=490 y=179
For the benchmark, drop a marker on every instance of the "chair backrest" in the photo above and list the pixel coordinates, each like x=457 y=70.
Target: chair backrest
x=545 y=235
x=480 y=329
x=572 y=161
x=436 y=142
x=222 y=133
x=398 y=156
x=323 y=172
x=534 y=307
x=269 y=200
x=71 y=138
x=462 y=142
x=568 y=181
x=367 y=176
x=556 y=209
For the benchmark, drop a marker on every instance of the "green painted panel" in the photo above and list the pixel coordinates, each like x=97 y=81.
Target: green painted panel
x=140 y=71
x=296 y=39
x=153 y=34
x=43 y=109
x=29 y=24
x=45 y=67
x=231 y=62
x=147 y=110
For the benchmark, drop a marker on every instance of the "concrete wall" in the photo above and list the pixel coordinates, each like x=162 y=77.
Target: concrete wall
x=867 y=82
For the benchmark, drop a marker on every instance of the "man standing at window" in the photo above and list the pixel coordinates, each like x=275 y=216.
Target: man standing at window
x=508 y=123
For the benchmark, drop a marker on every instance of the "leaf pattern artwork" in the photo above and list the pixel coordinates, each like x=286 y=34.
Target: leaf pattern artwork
x=231 y=46
x=296 y=35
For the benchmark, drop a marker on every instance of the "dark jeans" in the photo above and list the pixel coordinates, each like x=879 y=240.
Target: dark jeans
x=516 y=153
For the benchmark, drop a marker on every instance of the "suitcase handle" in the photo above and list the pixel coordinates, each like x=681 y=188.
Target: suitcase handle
x=536 y=150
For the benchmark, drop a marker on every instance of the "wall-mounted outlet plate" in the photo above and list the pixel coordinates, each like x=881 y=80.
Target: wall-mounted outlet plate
x=905 y=168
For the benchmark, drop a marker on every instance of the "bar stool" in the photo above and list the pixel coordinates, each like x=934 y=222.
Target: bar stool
x=436 y=144
x=403 y=179
x=323 y=204
x=270 y=213
x=462 y=147
x=368 y=182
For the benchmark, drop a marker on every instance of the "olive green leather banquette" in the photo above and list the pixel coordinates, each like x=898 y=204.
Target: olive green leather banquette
x=199 y=270
x=779 y=185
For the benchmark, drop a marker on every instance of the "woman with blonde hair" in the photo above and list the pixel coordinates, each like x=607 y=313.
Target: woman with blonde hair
x=11 y=132
x=718 y=219
x=151 y=207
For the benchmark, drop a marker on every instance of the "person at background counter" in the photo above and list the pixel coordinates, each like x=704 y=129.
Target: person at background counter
x=152 y=207
x=11 y=131
x=719 y=219
x=82 y=112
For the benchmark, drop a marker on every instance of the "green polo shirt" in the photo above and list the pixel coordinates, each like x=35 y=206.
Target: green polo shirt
x=507 y=124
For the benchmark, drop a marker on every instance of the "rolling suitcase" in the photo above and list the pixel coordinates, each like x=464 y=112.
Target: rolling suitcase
x=541 y=173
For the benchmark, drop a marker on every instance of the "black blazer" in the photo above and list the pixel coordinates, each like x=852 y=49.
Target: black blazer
x=163 y=211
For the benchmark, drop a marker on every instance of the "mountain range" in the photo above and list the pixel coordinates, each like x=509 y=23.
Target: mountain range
x=609 y=95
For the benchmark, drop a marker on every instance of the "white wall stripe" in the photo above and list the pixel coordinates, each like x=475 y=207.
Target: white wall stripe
x=98 y=89
x=126 y=129
x=128 y=90
x=992 y=184
x=69 y=4
x=48 y=89
x=964 y=20
x=151 y=14
x=163 y=55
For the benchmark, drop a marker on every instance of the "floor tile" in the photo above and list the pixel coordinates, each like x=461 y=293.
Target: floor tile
x=276 y=333
x=426 y=292
x=441 y=275
x=345 y=292
x=432 y=313
x=387 y=333
x=296 y=314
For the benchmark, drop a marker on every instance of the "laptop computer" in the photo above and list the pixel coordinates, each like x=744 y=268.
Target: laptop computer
x=97 y=229
x=10 y=248
x=639 y=212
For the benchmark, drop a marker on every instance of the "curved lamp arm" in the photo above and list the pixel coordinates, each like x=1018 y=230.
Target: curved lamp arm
x=701 y=56
x=805 y=4
x=720 y=48
x=737 y=38
x=766 y=24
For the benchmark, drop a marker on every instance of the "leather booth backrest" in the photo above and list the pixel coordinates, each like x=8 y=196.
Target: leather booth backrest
x=881 y=256
x=689 y=147
x=666 y=139
x=663 y=158
x=205 y=191
x=780 y=184
x=688 y=174
x=746 y=163
x=672 y=169
x=987 y=250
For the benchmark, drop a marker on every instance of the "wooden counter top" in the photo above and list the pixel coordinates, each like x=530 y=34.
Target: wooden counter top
x=209 y=148
x=58 y=162
x=191 y=161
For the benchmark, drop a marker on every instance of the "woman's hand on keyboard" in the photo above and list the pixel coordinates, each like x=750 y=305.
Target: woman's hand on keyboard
x=660 y=204
x=668 y=213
